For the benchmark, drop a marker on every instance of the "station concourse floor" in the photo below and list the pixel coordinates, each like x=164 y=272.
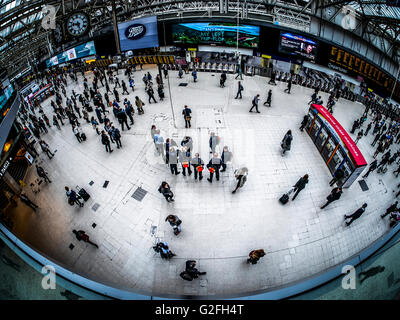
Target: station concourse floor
x=219 y=229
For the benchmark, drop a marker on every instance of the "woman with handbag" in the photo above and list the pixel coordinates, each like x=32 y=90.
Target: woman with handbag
x=175 y=223
x=166 y=191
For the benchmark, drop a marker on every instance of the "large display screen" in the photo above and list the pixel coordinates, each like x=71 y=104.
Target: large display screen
x=225 y=34
x=138 y=34
x=298 y=45
x=6 y=90
x=83 y=50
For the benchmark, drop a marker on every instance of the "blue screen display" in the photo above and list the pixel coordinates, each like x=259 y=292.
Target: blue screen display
x=225 y=34
x=83 y=50
x=138 y=34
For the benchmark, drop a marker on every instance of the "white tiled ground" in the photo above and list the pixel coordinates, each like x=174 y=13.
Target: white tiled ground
x=219 y=229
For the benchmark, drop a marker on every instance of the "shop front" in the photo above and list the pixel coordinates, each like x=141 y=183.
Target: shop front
x=335 y=145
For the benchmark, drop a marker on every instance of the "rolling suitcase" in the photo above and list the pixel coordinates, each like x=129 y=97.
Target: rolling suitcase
x=285 y=197
x=83 y=194
x=83 y=136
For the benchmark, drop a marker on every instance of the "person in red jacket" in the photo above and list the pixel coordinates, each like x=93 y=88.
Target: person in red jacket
x=81 y=235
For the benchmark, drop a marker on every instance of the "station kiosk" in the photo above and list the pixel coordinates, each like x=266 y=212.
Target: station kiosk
x=335 y=145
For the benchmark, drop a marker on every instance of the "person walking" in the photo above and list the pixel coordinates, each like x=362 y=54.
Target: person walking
x=223 y=79
x=241 y=177
x=73 y=197
x=106 y=141
x=255 y=103
x=289 y=86
x=286 y=142
x=123 y=119
x=198 y=167
x=129 y=110
x=226 y=156
x=94 y=124
x=379 y=149
x=355 y=126
x=55 y=122
x=139 y=105
x=255 y=255
x=304 y=122
x=191 y=269
x=42 y=174
x=338 y=175
x=77 y=133
x=214 y=166
x=124 y=88
x=357 y=214
x=335 y=194
x=391 y=209
x=194 y=74
x=173 y=161
x=24 y=198
x=300 y=185
x=81 y=235
x=187 y=116
x=150 y=92
x=269 y=98
x=175 y=223
x=180 y=72
x=239 y=73
x=213 y=142
x=240 y=89
x=116 y=136
x=368 y=128
x=359 y=136
x=116 y=94
x=165 y=190
x=46 y=149
x=184 y=159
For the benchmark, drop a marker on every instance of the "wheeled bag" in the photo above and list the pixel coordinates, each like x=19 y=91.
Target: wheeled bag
x=83 y=194
x=284 y=199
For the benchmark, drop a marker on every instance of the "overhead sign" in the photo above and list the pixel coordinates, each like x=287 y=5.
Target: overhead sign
x=152 y=60
x=354 y=65
x=138 y=34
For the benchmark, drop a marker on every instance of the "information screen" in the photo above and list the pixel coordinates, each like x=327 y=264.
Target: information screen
x=6 y=90
x=83 y=50
x=298 y=45
x=225 y=34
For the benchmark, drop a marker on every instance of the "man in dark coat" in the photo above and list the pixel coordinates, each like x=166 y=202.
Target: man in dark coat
x=334 y=195
x=355 y=215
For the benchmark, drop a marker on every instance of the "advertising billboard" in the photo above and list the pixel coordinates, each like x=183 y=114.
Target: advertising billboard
x=6 y=90
x=224 y=34
x=83 y=50
x=298 y=45
x=138 y=34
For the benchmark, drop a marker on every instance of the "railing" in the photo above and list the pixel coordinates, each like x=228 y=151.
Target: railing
x=94 y=290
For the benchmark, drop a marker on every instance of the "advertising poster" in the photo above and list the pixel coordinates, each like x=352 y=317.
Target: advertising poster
x=138 y=34
x=225 y=34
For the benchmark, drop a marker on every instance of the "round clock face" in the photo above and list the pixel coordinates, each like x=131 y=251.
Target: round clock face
x=77 y=24
x=58 y=35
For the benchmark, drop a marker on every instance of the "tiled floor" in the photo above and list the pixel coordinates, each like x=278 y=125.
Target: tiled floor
x=219 y=229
